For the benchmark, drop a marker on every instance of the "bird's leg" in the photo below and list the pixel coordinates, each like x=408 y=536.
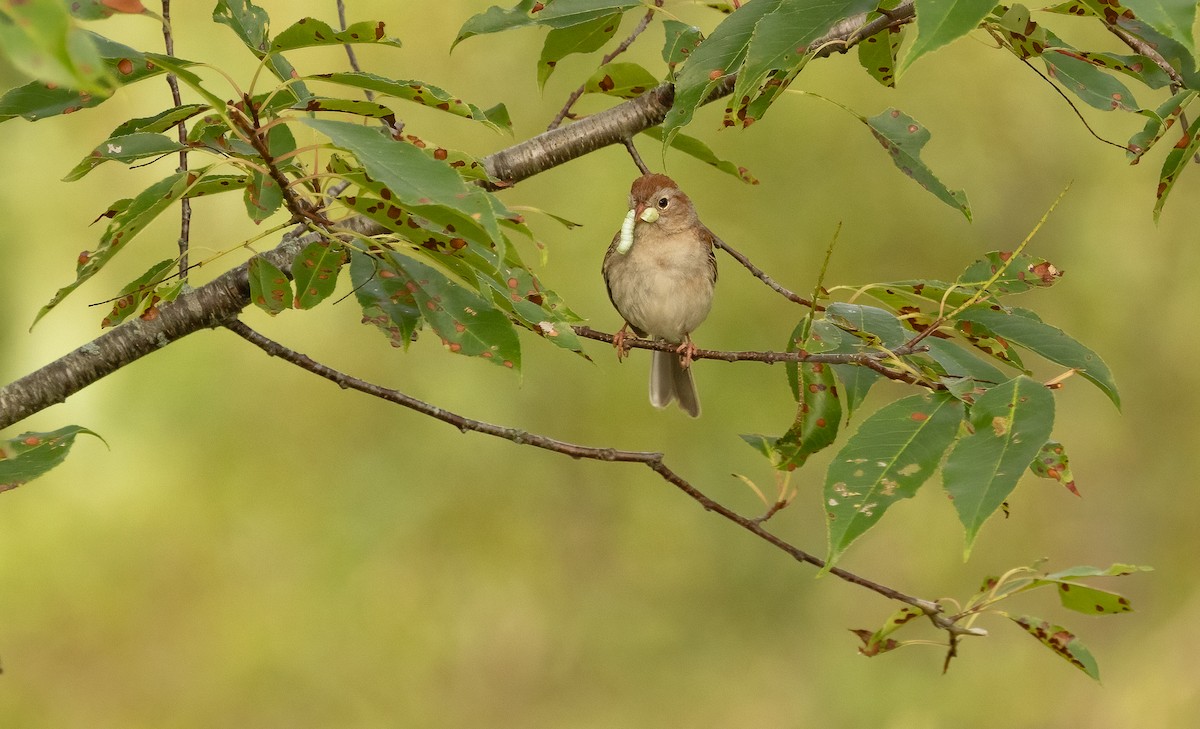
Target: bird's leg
x=686 y=351
x=619 y=342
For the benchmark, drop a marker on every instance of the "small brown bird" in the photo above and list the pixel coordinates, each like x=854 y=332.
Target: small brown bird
x=661 y=272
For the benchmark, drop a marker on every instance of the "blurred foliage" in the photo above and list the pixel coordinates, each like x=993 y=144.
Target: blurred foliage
x=288 y=581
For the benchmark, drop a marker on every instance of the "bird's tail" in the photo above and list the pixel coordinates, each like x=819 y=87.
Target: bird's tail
x=670 y=380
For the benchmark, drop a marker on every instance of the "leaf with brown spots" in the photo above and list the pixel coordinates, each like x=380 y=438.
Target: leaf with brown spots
x=466 y=323
x=139 y=294
x=1023 y=328
x=1011 y=421
x=1017 y=274
x=127 y=148
x=1052 y=463
x=1060 y=640
x=1160 y=120
x=270 y=289
x=879 y=641
x=30 y=455
x=315 y=272
x=1095 y=87
x=680 y=40
x=421 y=93
x=892 y=454
x=701 y=151
x=125 y=225
x=877 y=53
x=310 y=32
x=904 y=138
x=622 y=80
x=1177 y=160
x=585 y=37
x=385 y=299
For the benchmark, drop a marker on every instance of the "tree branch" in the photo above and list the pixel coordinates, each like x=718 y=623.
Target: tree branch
x=221 y=299
x=653 y=460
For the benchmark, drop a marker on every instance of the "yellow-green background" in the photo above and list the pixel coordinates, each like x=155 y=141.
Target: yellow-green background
x=259 y=548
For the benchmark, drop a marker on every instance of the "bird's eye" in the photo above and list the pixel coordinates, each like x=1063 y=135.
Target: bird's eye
x=663 y=202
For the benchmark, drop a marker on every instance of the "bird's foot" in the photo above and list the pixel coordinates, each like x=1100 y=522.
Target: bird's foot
x=619 y=342
x=687 y=352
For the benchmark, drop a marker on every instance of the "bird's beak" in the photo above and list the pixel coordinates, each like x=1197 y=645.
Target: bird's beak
x=644 y=213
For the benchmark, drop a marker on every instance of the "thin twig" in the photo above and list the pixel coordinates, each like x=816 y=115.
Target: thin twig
x=871 y=360
x=185 y=205
x=621 y=48
x=637 y=158
x=653 y=460
x=762 y=276
x=1140 y=46
x=350 y=55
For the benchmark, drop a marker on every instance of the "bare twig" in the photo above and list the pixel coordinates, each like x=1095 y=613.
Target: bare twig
x=653 y=460
x=637 y=158
x=762 y=276
x=351 y=56
x=870 y=360
x=608 y=57
x=185 y=204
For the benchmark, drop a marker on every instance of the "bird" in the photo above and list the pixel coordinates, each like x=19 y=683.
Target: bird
x=661 y=273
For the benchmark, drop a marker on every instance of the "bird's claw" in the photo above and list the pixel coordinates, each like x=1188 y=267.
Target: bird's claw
x=687 y=352
x=619 y=342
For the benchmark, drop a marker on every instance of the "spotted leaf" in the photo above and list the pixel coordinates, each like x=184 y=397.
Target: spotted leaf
x=139 y=295
x=385 y=299
x=310 y=32
x=701 y=151
x=681 y=40
x=1095 y=87
x=1060 y=640
x=623 y=80
x=904 y=138
x=1160 y=120
x=582 y=38
x=466 y=323
x=315 y=271
x=30 y=455
x=1052 y=463
x=877 y=53
x=892 y=454
x=1010 y=423
x=270 y=289
x=421 y=93
x=127 y=148
x=1177 y=160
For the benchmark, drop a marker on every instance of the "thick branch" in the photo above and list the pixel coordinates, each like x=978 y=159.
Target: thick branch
x=216 y=302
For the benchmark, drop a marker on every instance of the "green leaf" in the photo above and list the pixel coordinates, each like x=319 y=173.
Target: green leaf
x=213 y=184
x=875 y=643
x=623 y=80
x=41 y=39
x=270 y=289
x=496 y=19
x=940 y=22
x=263 y=196
x=385 y=299
x=138 y=295
x=1023 y=328
x=421 y=93
x=1172 y=18
x=128 y=220
x=958 y=362
x=415 y=178
x=31 y=454
x=125 y=148
x=1096 y=88
x=722 y=53
x=701 y=151
x=1052 y=463
x=892 y=454
x=681 y=40
x=1161 y=119
x=877 y=53
x=818 y=416
x=37 y=100
x=310 y=32
x=1176 y=162
x=1060 y=640
x=1026 y=38
x=1090 y=600
x=1011 y=421
x=826 y=337
x=162 y=121
x=1114 y=570
x=778 y=47
x=315 y=272
x=583 y=38
x=990 y=343
x=904 y=138
x=466 y=323
x=245 y=19
x=1017 y=274
x=869 y=323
